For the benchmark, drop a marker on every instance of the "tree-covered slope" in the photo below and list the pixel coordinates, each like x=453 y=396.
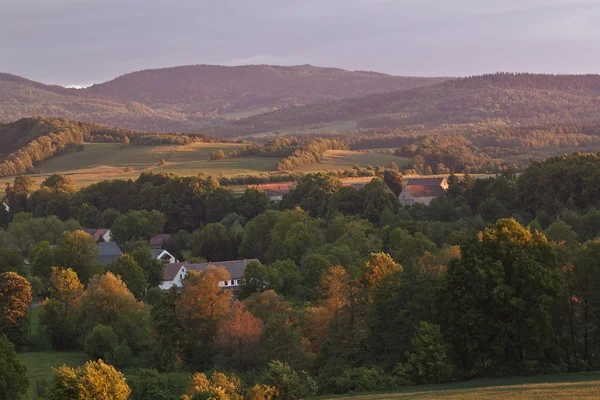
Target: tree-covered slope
x=506 y=98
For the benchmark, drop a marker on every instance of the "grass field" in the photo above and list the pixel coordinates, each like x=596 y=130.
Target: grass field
x=581 y=386
x=40 y=364
x=342 y=159
x=100 y=161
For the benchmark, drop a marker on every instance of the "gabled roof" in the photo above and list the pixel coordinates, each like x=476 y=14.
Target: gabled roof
x=159 y=252
x=109 y=251
x=96 y=233
x=235 y=268
x=159 y=239
x=424 y=190
x=170 y=271
x=425 y=181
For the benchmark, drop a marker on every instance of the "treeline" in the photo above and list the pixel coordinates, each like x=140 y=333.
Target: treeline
x=29 y=141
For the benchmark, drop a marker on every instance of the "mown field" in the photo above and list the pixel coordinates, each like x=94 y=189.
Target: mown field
x=580 y=386
x=100 y=161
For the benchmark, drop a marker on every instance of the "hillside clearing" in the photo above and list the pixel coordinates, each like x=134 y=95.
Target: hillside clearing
x=341 y=159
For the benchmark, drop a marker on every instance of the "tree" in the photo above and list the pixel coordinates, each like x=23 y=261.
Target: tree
x=377 y=198
x=11 y=260
x=252 y=202
x=238 y=335
x=89 y=216
x=150 y=385
x=58 y=316
x=41 y=257
x=14 y=380
x=377 y=267
x=498 y=302
x=59 y=183
x=108 y=217
x=393 y=179
x=152 y=268
x=107 y=301
x=138 y=225
x=290 y=384
x=428 y=360
x=131 y=274
x=219 y=203
x=169 y=331
x=96 y=380
x=101 y=342
x=560 y=231
x=15 y=297
x=213 y=243
x=255 y=280
x=201 y=306
x=78 y=250
x=284 y=277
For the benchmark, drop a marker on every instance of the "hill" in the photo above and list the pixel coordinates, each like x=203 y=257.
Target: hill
x=186 y=98
x=206 y=89
x=507 y=99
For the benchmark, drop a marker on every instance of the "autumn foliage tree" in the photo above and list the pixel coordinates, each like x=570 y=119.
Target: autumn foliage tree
x=238 y=335
x=15 y=297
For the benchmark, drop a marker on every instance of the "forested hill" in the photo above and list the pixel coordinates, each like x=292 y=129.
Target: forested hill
x=497 y=98
x=22 y=98
x=213 y=88
x=185 y=99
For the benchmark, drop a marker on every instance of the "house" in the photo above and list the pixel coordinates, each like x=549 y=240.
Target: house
x=276 y=191
x=158 y=241
x=101 y=235
x=422 y=191
x=163 y=255
x=173 y=275
x=6 y=207
x=109 y=251
x=236 y=268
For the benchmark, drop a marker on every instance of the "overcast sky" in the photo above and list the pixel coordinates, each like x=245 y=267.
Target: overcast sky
x=78 y=42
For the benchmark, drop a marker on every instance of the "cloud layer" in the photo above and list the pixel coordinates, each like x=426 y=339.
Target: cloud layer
x=78 y=42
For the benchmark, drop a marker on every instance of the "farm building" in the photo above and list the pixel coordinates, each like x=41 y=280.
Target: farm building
x=422 y=191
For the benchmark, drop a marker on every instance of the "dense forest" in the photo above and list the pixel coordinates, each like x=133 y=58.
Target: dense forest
x=507 y=99
x=351 y=292
x=185 y=99
x=25 y=143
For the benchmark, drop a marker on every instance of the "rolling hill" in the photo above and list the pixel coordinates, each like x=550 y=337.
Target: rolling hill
x=186 y=98
x=509 y=99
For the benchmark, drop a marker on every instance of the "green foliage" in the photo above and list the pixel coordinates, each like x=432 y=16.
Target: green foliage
x=131 y=273
x=138 y=225
x=427 y=360
x=150 y=385
x=78 y=250
x=290 y=384
x=11 y=260
x=101 y=342
x=41 y=257
x=14 y=380
x=213 y=243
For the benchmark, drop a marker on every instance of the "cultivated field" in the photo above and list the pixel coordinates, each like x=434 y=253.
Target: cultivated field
x=581 y=386
x=100 y=161
x=341 y=159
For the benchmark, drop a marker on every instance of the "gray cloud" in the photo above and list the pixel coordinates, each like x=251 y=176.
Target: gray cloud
x=75 y=42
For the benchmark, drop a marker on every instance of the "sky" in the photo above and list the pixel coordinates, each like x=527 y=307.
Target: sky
x=80 y=42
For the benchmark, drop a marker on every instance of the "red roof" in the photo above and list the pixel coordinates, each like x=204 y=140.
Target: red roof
x=424 y=191
x=276 y=189
x=96 y=233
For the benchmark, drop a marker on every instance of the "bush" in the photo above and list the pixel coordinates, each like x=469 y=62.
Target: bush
x=364 y=379
x=121 y=356
x=153 y=295
x=101 y=342
x=290 y=384
x=150 y=385
x=262 y=392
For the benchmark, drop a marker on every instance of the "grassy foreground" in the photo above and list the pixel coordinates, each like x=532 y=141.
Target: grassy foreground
x=580 y=386
x=40 y=364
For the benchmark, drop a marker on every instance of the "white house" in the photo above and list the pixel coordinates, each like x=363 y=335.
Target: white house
x=422 y=191
x=164 y=256
x=101 y=235
x=173 y=274
x=6 y=207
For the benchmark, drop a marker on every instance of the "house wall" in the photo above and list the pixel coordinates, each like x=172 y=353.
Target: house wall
x=107 y=237
x=177 y=282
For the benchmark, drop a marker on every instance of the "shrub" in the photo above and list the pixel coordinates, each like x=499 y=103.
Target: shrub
x=428 y=359
x=290 y=384
x=153 y=295
x=101 y=342
x=121 y=356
